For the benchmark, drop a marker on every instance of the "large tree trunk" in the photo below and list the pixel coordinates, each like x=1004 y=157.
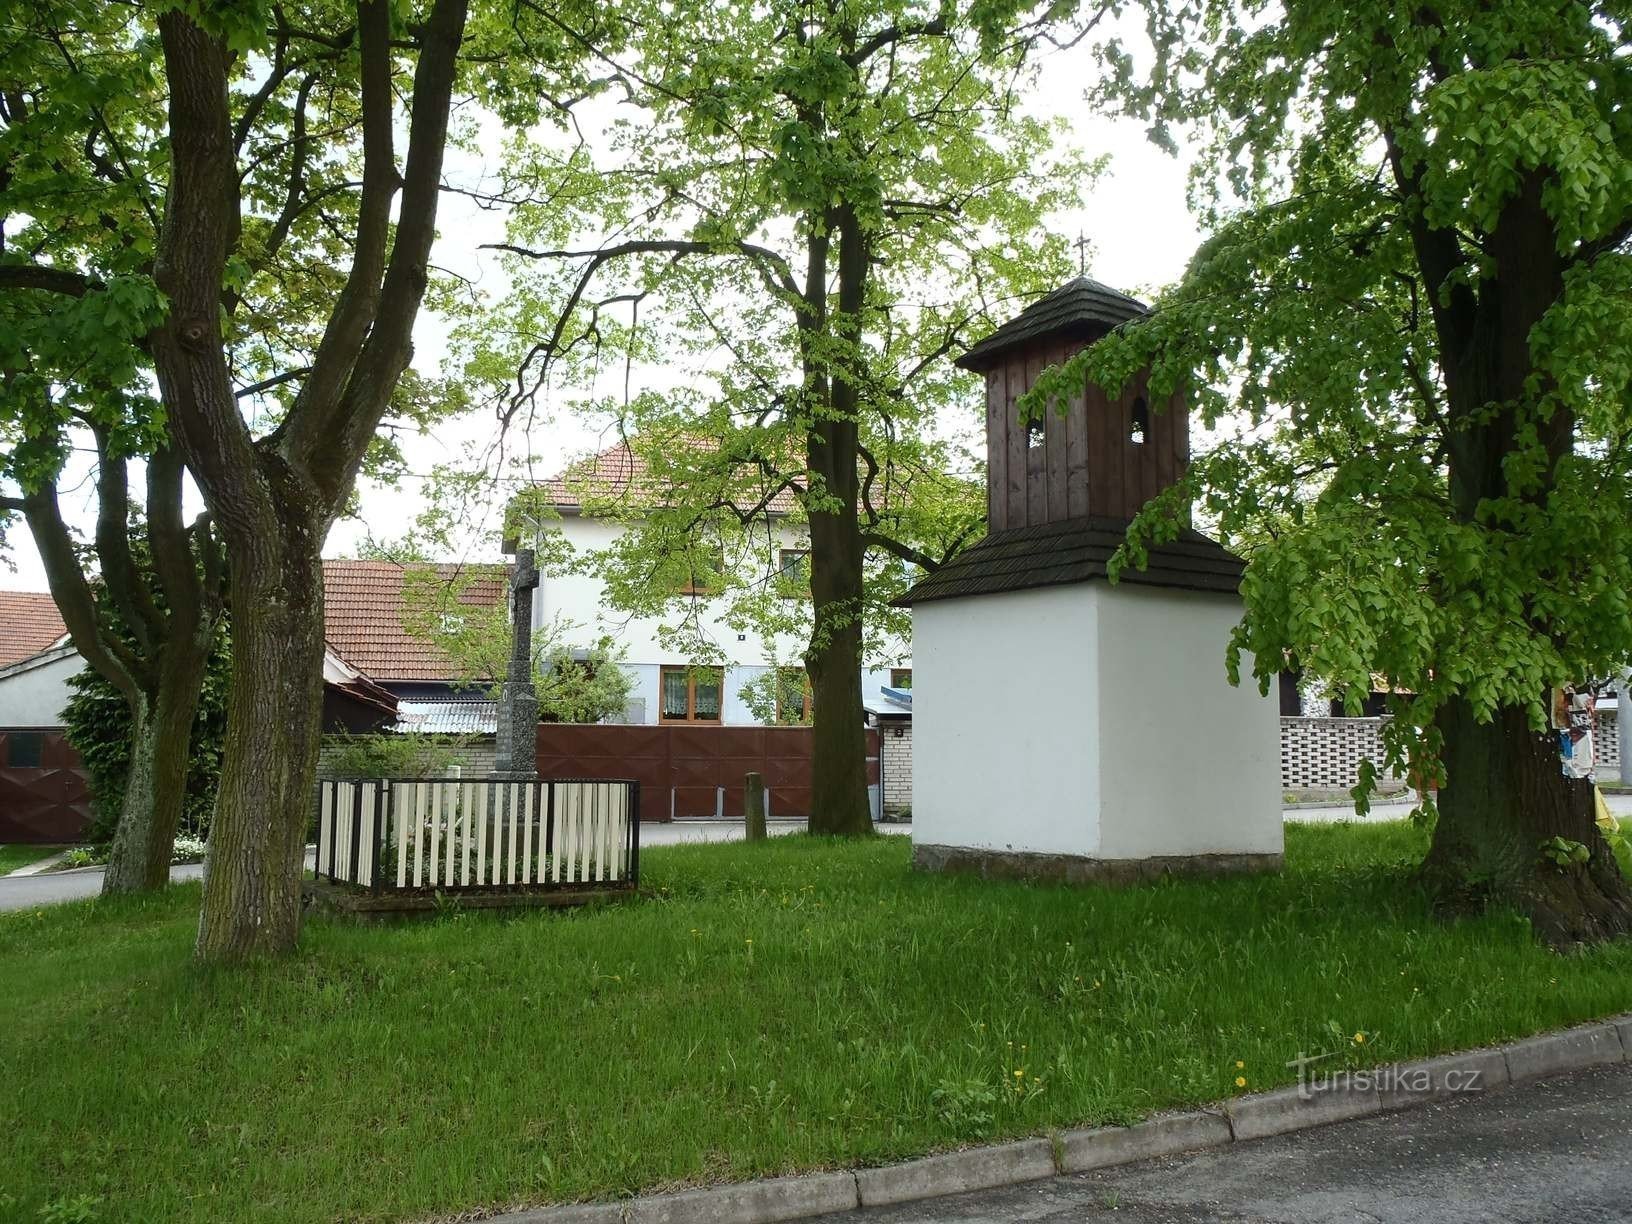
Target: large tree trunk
x=1505 y=790
x=258 y=834
x=1505 y=795
x=156 y=786
x=838 y=799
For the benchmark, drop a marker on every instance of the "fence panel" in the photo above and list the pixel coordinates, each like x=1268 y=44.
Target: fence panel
x=404 y=834
x=44 y=795
x=682 y=768
x=1325 y=753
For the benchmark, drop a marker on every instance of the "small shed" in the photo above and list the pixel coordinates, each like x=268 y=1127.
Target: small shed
x=1047 y=742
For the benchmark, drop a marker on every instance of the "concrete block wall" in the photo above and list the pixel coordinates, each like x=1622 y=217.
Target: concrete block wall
x=895 y=754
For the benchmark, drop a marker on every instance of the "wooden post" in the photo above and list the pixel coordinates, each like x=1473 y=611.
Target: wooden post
x=753 y=809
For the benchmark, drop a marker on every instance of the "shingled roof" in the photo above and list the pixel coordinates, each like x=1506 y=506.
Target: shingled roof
x=1072 y=551
x=362 y=617
x=1080 y=308
x=619 y=474
x=29 y=622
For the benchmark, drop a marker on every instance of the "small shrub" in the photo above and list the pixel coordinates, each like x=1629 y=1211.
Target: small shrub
x=967 y=1106
x=391 y=755
x=80 y=1209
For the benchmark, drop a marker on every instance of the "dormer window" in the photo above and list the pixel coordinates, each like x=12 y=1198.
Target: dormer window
x=1140 y=424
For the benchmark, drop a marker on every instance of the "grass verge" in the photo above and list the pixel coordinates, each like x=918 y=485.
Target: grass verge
x=786 y=1006
x=13 y=857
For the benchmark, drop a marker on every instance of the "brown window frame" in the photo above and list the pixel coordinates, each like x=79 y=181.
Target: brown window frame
x=795 y=585
x=807 y=702
x=895 y=677
x=693 y=586
x=691 y=674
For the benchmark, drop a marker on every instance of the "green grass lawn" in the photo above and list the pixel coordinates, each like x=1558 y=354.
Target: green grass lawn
x=787 y=1006
x=13 y=857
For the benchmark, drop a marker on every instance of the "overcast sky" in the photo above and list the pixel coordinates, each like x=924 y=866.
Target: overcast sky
x=1141 y=236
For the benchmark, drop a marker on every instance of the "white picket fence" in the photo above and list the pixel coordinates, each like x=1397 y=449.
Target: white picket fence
x=453 y=833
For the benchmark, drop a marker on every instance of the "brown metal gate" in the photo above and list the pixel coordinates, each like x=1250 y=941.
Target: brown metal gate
x=44 y=797
x=681 y=767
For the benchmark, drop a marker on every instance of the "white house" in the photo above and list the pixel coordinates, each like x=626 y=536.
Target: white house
x=36 y=662
x=668 y=689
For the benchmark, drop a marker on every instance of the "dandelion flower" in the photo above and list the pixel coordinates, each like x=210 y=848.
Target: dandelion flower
x=1359 y=1039
x=1239 y=1065
x=1020 y=1074
x=1240 y=1081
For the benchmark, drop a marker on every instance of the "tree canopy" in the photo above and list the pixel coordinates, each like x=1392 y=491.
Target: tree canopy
x=1410 y=326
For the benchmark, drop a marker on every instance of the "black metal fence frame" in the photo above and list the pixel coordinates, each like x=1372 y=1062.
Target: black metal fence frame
x=379 y=824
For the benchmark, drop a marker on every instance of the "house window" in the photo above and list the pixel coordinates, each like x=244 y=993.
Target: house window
x=1140 y=425
x=793 y=696
x=901 y=677
x=23 y=749
x=793 y=572
x=707 y=568
x=691 y=694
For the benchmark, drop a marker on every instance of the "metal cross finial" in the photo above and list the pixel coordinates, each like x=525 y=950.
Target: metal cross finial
x=1082 y=253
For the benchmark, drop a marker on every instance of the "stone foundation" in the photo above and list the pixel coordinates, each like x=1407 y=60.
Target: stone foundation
x=1077 y=869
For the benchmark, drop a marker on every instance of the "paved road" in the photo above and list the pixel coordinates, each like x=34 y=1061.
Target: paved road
x=25 y=892
x=1621 y=805
x=1552 y=1152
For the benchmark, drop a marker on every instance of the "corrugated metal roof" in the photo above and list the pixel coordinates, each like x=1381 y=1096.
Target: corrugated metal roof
x=1071 y=551
x=1081 y=306
x=448 y=717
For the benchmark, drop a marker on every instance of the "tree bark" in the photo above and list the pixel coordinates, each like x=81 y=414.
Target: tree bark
x=1505 y=795
x=1505 y=790
x=253 y=866
x=833 y=661
x=156 y=787
x=274 y=498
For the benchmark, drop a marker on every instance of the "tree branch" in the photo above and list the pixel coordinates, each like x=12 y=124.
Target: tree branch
x=52 y=280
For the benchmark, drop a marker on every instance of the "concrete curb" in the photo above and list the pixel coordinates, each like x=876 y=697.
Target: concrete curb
x=956 y=1172
x=1359 y=1094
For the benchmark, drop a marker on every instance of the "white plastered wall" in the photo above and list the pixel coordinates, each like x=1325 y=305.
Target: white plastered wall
x=34 y=693
x=1005 y=735
x=1189 y=763
x=1093 y=721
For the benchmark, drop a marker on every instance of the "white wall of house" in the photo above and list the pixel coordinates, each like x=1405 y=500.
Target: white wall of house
x=34 y=692
x=579 y=600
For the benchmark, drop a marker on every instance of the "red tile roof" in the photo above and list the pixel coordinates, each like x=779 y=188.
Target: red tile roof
x=619 y=474
x=29 y=622
x=362 y=617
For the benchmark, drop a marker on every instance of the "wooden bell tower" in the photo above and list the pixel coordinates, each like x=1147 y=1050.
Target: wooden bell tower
x=1104 y=458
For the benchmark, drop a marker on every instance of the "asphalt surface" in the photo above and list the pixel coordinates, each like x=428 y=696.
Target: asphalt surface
x=1620 y=805
x=1550 y=1152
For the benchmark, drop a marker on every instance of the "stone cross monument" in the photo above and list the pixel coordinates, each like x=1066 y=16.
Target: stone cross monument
x=516 y=745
